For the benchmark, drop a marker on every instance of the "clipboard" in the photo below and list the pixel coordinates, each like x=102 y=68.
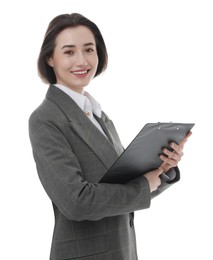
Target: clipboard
x=142 y=154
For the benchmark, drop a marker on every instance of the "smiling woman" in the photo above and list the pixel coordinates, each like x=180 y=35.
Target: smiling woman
x=71 y=34
x=74 y=59
x=74 y=144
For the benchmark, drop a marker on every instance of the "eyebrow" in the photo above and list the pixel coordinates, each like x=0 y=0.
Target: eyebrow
x=72 y=46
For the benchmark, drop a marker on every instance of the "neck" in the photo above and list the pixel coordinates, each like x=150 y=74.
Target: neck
x=79 y=90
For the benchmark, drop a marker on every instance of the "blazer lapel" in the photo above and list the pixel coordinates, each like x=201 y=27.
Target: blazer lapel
x=110 y=131
x=81 y=124
x=103 y=125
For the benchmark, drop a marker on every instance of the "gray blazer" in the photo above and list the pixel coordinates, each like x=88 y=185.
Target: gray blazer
x=93 y=221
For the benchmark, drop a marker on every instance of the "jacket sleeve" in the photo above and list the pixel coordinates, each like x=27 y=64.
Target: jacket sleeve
x=61 y=177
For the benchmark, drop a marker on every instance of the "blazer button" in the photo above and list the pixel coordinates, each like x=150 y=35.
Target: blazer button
x=131 y=223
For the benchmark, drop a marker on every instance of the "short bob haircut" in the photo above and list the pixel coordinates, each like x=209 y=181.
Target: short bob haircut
x=58 y=24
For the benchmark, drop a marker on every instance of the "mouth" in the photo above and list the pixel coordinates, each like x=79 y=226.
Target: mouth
x=80 y=73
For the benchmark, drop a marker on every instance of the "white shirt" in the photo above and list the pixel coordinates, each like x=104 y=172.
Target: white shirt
x=86 y=102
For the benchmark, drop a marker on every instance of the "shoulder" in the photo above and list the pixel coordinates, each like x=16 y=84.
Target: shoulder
x=47 y=112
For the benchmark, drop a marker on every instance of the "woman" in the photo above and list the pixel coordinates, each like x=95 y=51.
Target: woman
x=74 y=144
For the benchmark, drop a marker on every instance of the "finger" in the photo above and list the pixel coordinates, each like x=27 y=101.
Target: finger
x=165 y=167
x=185 y=139
x=169 y=162
x=159 y=171
x=172 y=162
x=177 y=148
x=176 y=155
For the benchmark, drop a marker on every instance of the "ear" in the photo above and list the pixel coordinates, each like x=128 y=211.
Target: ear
x=49 y=61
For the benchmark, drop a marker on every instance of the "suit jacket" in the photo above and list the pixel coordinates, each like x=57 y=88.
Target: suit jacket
x=93 y=221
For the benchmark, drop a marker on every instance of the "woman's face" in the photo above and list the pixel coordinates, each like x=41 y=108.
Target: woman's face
x=75 y=58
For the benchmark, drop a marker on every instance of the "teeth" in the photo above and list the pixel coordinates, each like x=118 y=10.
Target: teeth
x=80 y=72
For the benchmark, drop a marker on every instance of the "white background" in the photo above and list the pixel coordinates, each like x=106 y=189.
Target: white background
x=160 y=69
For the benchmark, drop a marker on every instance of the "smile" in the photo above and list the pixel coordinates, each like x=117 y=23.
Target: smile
x=80 y=72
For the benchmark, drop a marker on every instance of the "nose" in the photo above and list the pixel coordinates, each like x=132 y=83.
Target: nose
x=81 y=59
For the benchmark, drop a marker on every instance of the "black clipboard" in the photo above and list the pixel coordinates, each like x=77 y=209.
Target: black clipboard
x=142 y=154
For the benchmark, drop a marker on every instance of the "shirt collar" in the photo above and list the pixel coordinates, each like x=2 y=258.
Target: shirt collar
x=96 y=107
x=81 y=99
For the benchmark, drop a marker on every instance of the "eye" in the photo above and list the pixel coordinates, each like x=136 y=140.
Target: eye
x=69 y=52
x=89 y=50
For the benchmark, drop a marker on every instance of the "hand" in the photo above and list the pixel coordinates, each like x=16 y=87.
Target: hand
x=153 y=178
x=171 y=159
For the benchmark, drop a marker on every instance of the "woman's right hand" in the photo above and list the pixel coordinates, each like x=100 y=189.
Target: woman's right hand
x=153 y=178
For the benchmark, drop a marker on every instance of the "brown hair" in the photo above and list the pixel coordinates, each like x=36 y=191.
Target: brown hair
x=58 y=24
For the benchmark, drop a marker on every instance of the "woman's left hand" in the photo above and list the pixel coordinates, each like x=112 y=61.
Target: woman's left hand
x=171 y=158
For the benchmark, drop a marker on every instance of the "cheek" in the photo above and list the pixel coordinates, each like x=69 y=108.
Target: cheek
x=61 y=69
x=63 y=65
x=61 y=61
